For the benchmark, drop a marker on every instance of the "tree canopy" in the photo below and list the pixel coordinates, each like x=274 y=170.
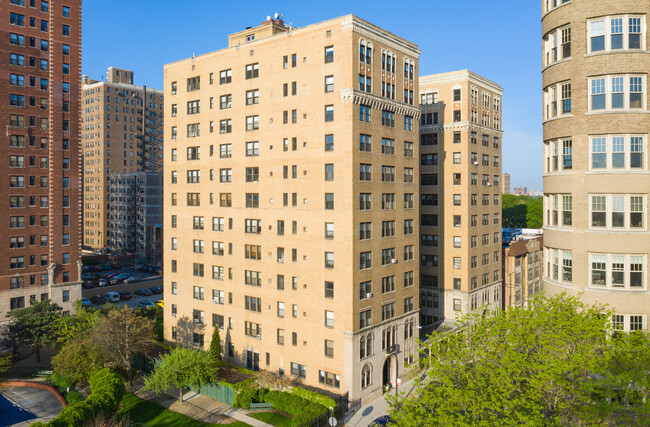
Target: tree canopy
x=553 y=363
x=35 y=325
x=182 y=367
x=121 y=335
x=522 y=211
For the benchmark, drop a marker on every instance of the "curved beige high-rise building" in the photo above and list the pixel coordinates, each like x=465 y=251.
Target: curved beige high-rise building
x=596 y=176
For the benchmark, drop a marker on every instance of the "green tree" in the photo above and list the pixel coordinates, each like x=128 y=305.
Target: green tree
x=534 y=212
x=121 y=335
x=6 y=361
x=78 y=325
x=215 y=344
x=552 y=363
x=182 y=367
x=35 y=325
x=78 y=360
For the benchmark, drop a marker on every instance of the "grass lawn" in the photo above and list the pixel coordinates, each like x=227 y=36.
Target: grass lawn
x=153 y=415
x=272 y=418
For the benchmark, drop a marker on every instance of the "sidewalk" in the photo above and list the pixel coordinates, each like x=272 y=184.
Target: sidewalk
x=375 y=409
x=198 y=407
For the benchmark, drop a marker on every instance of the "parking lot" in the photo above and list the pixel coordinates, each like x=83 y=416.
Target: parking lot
x=145 y=280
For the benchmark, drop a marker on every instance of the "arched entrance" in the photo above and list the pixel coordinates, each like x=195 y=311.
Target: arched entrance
x=385 y=376
x=389 y=373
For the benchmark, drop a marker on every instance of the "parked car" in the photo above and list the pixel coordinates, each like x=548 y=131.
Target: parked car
x=381 y=421
x=123 y=276
x=117 y=267
x=112 y=297
x=132 y=279
x=159 y=271
x=145 y=304
x=125 y=296
x=85 y=302
x=114 y=281
x=143 y=292
x=160 y=303
x=88 y=285
x=157 y=290
x=98 y=299
x=103 y=282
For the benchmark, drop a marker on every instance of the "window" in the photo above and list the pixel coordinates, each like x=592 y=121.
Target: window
x=557 y=100
x=329 y=289
x=225 y=76
x=329 y=259
x=329 y=200
x=252 y=97
x=616 y=33
x=252 y=122
x=387 y=118
x=252 y=71
x=616 y=92
x=388 y=201
x=387 y=311
x=329 y=83
x=329 y=142
x=388 y=174
x=329 y=54
x=560 y=37
x=617 y=271
x=365 y=260
x=365 y=201
x=616 y=152
x=364 y=113
x=329 y=113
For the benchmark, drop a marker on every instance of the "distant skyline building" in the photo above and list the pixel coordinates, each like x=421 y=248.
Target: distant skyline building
x=523 y=264
x=40 y=239
x=596 y=178
x=291 y=202
x=505 y=183
x=460 y=195
x=122 y=132
x=520 y=191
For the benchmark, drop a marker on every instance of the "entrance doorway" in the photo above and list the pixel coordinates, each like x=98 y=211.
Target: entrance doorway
x=386 y=371
x=252 y=360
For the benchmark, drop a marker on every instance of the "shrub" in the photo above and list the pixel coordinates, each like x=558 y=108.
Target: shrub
x=61 y=382
x=312 y=396
x=106 y=389
x=303 y=411
x=73 y=397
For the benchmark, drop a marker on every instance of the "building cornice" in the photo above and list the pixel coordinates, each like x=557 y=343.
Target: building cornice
x=366 y=29
x=379 y=103
x=459 y=126
x=96 y=84
x=458 y=77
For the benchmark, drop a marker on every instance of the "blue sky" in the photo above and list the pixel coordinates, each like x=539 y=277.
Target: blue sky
x=499 y=40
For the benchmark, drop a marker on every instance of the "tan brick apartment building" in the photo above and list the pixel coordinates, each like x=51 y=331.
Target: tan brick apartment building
x=122 y=132
x=596 y=180
x=291 y=202
x=460 y=206
x=523 y=263
x=40 y=201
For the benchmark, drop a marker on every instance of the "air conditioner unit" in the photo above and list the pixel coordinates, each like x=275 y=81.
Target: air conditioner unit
x=259 y=337
x=215 y=301
x=197 y=321
x=369 y=295
x=489 y=185
x=394 y=261
x=280 y=260
x=475 y=163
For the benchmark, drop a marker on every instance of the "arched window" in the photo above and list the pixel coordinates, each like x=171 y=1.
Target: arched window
x=362 y=347
x=369 y=351
x=366 y=375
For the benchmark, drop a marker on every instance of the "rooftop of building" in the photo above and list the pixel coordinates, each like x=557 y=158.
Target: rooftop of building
x=276 y=27
x=117 y=77
x=453 y=76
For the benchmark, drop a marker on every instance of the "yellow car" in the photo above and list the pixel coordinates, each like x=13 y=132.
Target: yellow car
x=160 y=303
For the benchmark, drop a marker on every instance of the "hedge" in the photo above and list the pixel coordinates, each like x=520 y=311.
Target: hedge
x=106 y=388
x=312 y=396
x=304 y=411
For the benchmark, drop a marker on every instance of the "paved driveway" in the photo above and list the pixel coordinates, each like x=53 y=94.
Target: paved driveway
x=39 y=402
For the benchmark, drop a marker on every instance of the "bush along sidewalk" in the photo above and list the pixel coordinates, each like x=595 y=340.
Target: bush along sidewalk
x=107 y=389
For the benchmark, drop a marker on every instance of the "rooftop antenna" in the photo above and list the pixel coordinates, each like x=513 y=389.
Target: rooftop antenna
x=268 y=17
x=276 y=16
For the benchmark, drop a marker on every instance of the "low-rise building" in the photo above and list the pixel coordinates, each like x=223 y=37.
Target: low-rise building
x=522 y=267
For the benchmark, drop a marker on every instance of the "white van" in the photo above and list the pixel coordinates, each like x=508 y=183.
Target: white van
x=112 y=297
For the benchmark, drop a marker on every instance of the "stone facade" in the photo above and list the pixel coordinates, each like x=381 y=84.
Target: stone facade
x=39 y=118
x=291 y=202
x=460 y=210
x=596 y=179
x=122 y=133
